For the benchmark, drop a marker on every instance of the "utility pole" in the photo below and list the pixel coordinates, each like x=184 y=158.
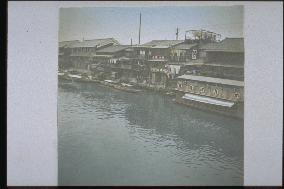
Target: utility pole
x=131 y=41
x=139 y=29
x=177 y=34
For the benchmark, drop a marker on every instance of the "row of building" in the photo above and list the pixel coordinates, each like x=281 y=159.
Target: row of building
x=202 y=71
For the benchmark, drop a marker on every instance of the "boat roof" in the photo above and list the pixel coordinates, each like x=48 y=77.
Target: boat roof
x=212 y=80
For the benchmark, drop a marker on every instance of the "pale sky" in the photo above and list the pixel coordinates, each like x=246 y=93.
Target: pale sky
x=122 y=23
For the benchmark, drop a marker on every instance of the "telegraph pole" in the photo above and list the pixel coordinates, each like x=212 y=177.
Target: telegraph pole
x=139 y=29
x=177 y=34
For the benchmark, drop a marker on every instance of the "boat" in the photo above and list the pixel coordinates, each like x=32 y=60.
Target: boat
x=109 y=83
x=207 y=103
x=63 y=76
x=126 y=85
x=170 y=93
x=127 y=89
x=120 y=86
x=74 y=76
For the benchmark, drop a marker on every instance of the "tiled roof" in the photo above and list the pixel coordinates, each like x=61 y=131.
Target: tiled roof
x=227 y=45
x=113 y=49
x=65 y=43
x=163 y=43
x=93 y=43
x=185 y=46
x=212 y=80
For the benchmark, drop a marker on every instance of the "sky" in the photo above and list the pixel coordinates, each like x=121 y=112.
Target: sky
x=158 y=23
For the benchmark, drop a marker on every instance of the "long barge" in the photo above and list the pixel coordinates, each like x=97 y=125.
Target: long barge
x=218 y=95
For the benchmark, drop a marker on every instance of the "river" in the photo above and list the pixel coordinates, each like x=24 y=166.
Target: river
x=111 y=137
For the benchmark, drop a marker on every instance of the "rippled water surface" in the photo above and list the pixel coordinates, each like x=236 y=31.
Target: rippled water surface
x=111 y=137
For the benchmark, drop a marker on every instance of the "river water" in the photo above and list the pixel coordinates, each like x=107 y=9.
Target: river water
x=111 y=137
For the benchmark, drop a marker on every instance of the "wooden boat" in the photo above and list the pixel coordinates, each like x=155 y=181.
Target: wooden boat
x=60 y=74
x=108 y=83
x=120 y=86
x=75 y=77
x=87 y=80
x=63 y=76
x=220 y=106
x=127 y=89
x=170 y=93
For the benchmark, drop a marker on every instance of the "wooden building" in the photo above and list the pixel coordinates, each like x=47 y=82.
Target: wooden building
x=185 y=52
x=224 y=59
x=64 y=52
x=83 y=53
x=158 y=55
x=113 y=55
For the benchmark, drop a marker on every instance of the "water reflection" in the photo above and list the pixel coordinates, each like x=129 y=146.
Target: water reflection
x=203 y=148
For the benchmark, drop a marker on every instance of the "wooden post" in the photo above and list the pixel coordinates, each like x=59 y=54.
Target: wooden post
x=139 y=29
x=177 y=34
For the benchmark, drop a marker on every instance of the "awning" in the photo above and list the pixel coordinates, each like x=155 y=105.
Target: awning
x=208 y=100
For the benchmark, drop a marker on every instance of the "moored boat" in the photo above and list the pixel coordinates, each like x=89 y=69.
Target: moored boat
x=120 y=86
x=127 y=89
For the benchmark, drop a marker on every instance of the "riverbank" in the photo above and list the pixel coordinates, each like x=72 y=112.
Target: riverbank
x=133 y=87
x=231 y=109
